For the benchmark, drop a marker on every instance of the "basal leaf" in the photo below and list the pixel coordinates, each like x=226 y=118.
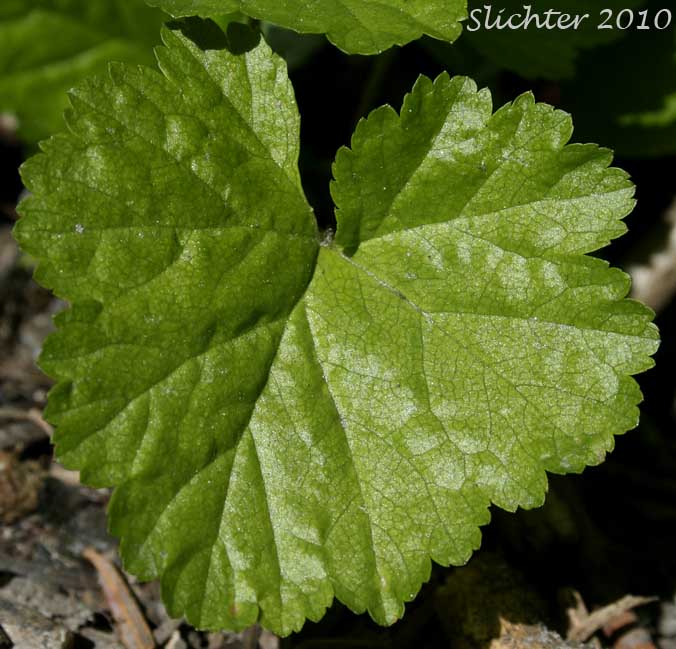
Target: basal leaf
x=285 y=420
x=48 y=46
x=355 y=26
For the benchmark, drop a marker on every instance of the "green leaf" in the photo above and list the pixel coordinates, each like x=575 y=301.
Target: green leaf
x=48 y=46
x=545 y=52
x=285 y=420
x=355 y=26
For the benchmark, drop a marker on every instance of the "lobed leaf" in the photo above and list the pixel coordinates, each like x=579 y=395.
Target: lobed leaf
x=287 y=421
x=355 y=26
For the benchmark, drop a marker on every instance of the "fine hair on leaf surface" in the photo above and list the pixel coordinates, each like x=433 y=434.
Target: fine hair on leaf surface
x=286 y=420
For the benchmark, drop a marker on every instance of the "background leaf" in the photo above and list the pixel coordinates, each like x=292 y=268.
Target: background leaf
x=356 y=26
x=544 y=53
x=49 y=46
x=636 y=115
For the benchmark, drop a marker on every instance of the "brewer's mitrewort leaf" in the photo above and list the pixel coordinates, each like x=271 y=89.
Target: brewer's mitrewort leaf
x=356 y=26
x=287 y=421
x=48 y=46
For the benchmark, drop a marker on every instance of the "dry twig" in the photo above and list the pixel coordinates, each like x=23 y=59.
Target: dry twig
x=654 y=283
x=131 y=625
x=584 y=625
x=33 y=415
